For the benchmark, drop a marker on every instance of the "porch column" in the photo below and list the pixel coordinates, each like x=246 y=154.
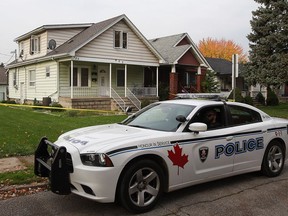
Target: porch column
x=125 y=80
x=173 y=82
x=71 y=79
x=198 y=81
x=110 y=80
x=157 y=81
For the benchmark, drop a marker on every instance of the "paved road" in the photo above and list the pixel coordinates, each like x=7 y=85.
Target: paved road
x=250 y=194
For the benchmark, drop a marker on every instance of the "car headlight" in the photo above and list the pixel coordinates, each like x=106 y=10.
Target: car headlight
x=95 y=159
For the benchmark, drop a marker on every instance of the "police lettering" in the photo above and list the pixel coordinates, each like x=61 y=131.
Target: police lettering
x=238 y=148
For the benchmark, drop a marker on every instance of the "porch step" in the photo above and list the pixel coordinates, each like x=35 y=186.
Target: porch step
x=128 y=103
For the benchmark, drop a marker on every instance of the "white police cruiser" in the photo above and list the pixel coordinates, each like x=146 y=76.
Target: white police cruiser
x=164 y=147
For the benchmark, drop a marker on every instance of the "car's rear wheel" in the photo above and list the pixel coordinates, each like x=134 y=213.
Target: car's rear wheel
x=141 y=186
x=273 y=161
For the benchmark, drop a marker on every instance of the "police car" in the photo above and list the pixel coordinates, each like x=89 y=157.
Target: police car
x=164 y=147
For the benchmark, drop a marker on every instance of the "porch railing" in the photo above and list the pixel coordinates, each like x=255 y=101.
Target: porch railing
x=143 y=91
x=133 y=99
x=78 y=92
x=118 y=99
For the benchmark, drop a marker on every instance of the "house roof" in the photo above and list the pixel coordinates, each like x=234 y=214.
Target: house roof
x=3 y=76
x=49 y=27
x=171 y=49
x=220 y=66
x=91 y=32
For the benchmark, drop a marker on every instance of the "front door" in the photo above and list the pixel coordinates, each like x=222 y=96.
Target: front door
x=103 y=81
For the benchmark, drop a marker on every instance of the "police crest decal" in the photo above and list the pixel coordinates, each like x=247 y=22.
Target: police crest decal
x=203 y=153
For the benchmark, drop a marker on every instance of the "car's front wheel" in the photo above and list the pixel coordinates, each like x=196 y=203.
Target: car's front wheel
x=273 y=161
x=141 y=186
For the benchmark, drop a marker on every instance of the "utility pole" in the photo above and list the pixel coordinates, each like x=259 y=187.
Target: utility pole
x=234 y=73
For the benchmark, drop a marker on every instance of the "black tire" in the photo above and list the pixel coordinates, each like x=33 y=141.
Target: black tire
x=141 y=186
x=274 y=158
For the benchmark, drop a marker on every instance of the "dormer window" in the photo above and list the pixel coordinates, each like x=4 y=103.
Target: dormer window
x=34 y=44
x=120 y=39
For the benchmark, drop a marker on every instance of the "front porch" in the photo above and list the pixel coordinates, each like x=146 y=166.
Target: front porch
x=106 y=86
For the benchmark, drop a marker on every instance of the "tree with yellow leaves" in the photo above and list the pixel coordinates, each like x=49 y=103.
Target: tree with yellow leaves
x=224 y=49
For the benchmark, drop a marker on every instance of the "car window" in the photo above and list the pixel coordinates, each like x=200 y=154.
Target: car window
x=242 y=115
x=161 y=116
x=213 y=116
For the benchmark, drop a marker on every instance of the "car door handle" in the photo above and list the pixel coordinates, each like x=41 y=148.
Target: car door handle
x=229 y=138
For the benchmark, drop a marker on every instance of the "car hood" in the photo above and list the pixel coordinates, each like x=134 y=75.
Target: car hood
x=106 y=137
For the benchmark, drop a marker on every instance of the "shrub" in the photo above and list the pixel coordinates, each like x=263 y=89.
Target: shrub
x=145 y=103
x=272 y=99
x=260 y=98
x=238 y=96
x=248 y=100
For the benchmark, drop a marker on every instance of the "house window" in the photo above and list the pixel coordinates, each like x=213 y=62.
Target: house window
x=15 y=78
x=84 y=76
x=120 y=39
x=149 y=77
x=48 y=71
x=32 y=78
x=190 y=79
x=80 y=77
x=120 y=77
x=34 y=44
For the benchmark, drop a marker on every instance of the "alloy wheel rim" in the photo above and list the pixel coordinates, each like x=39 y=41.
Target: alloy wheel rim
x=275 y=159
x=144 y=187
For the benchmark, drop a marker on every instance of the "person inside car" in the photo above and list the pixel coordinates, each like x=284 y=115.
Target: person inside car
x=211 y=119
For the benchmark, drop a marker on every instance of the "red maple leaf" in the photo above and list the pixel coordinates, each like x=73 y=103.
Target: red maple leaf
x=177 y=158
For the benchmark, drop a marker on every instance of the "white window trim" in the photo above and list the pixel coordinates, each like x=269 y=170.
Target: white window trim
x=79 y=77
x=32 y=81
x=121 y=40
x=35 y=40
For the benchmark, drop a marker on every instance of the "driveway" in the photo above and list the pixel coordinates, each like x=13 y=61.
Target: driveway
x=250 y=194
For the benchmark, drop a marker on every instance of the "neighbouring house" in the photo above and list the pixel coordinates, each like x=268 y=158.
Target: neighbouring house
x=223 y=69
x=184 y=68
x=107 y=65
x=3 y=83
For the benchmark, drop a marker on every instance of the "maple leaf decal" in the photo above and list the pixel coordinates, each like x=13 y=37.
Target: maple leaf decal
x=177 y=158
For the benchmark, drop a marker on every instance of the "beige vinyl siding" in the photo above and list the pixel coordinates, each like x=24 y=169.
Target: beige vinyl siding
x=44 y=86
x=103 y=47
x=62 y=35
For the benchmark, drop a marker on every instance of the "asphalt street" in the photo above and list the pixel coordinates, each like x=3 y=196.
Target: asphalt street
x=245 y=195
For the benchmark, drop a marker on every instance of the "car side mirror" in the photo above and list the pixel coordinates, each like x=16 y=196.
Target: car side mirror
x=181 y=118
x=197 y=127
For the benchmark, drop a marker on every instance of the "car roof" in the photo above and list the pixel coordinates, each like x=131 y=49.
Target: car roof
x=193 y=102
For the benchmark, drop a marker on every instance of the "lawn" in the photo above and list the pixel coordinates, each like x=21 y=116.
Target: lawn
x=22 y=128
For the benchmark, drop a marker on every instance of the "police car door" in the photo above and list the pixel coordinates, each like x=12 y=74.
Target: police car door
x=249 y=137
x=207 y=149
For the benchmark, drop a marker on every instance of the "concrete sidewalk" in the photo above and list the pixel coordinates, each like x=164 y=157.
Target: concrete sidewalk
x=15 y=163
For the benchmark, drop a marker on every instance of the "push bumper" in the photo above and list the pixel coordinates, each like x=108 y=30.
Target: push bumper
x=52 y=161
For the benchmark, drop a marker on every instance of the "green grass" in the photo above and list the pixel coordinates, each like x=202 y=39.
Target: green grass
x=280 y=111
x=22 y=128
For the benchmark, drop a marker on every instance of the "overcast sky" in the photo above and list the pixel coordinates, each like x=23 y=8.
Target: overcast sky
x=228 y=19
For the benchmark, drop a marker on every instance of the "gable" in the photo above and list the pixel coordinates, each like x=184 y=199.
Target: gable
x=102 y=47
x=184 y=41
x=188 y=59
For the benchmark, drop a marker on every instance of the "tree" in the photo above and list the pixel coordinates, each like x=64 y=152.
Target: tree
x=210 y=83
x=224 y=49
x=268 y=59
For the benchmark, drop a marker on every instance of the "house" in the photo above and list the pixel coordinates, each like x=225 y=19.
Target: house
x=223 y=69
x=184 y=68
x=105 y=65
x=3 y=83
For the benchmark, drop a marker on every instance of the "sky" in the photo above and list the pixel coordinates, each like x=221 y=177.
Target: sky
x=217 y=19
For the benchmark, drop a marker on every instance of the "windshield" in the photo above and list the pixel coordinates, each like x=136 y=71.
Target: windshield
x=159 y=116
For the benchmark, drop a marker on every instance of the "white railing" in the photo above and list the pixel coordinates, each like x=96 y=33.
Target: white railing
x=79 y=92
x=118 y=99
x=144 y=91
x=133 y=99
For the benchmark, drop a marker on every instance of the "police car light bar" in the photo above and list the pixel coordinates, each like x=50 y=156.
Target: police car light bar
x=208 y=96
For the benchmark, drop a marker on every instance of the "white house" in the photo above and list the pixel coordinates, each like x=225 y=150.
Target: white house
x=96 y=65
